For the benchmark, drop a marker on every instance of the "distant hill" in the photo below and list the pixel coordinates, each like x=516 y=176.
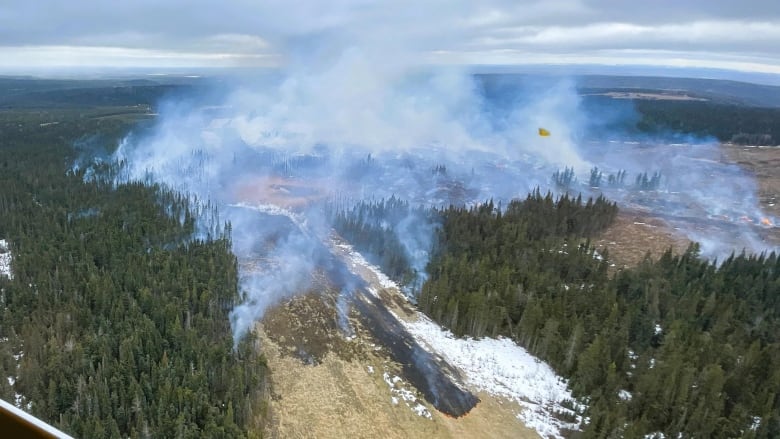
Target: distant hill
x=715 y=90
x=729 y=111
x=22 y=92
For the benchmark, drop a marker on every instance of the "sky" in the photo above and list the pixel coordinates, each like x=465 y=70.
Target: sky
x=718 y=34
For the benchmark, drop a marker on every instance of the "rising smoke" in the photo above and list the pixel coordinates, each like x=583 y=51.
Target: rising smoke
x=356 y=115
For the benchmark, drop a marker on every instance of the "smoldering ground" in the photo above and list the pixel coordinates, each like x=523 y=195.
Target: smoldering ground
x=357 y=113
x=291 y=143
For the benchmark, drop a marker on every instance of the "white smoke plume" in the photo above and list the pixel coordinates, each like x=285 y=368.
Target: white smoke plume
x=356 y=113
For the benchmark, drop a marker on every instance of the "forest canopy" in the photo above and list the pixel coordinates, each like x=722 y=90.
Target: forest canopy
x=115 y=322
x=678 y=345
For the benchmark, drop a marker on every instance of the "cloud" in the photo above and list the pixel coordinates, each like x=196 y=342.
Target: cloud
x=698 y=35
x=97 y=56
x=242 y=32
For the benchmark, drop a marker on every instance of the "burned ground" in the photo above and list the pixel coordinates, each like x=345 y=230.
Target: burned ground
x=764 y=164
x=332 y=385
x=637 y=232
x=340 y=389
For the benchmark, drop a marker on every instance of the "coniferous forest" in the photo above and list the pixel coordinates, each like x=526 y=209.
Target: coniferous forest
x=677 y=345
x=115 y=322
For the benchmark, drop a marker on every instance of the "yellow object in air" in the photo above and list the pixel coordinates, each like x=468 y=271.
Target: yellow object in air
x=543 y=132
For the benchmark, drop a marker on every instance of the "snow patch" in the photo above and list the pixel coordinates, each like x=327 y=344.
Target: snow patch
x=400 y=393
x=5 y=259
x=356 y=259
x=756 y=423
x=632 y=357
x=497 y=366
x=501 y=367
x=625 y=395
x=421 y=410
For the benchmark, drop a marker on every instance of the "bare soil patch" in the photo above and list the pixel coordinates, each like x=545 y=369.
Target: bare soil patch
x=636 y=235
x=764 y=163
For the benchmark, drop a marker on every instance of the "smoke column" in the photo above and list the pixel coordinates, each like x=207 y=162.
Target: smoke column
x=355 y=114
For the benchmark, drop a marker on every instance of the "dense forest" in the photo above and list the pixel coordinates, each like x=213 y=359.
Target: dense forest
x=729 y=111
x=678 y=345
x=37 y=93
x=488 y=258
x=679 y=119
x=378 y=229
x=726 y=122
x=115 y=323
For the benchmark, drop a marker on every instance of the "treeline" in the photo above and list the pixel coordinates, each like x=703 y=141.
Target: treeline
x=489 y=263
x=377 y=229
x=680 y=345
x=726 y=122
x=566 y=180
x=115 y=323
x=81 y=94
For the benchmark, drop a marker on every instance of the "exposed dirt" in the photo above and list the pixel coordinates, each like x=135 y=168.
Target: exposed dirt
x=349 y=398
x=764 y=163
x=280 y=191
x=636 y=235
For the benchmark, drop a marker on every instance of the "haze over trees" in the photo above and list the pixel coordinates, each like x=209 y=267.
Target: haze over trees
x=115 y=323
x=675 y=345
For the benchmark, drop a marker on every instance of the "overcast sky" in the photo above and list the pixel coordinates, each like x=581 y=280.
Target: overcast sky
x=738 y=35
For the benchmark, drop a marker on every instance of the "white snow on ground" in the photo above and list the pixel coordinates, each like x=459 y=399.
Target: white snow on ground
x=356 y=259
x=274 y=210
x=270 y=209
x=5 y=260
x=401 y=393
x=500 y=367
x=19 y=399
x=496 y=366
